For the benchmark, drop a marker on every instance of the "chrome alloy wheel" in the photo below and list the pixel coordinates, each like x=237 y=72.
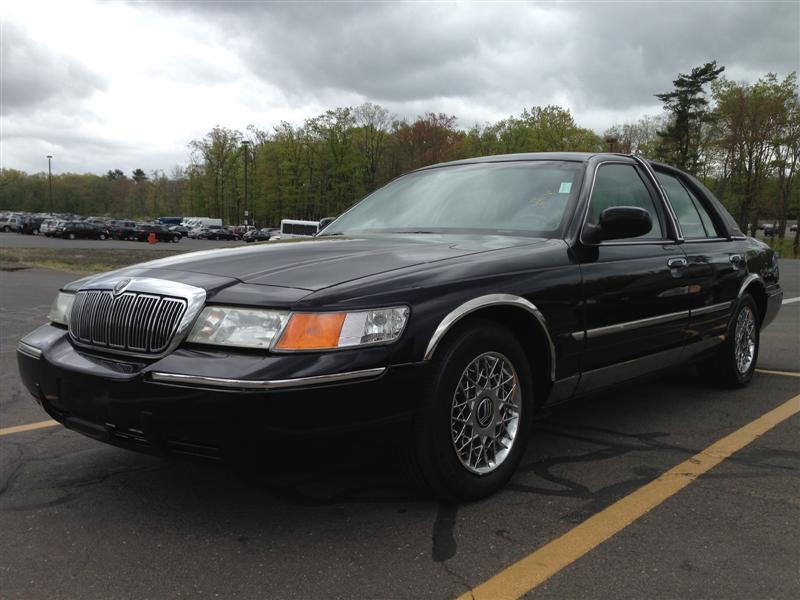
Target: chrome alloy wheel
x=745 y=339
x=485 y=413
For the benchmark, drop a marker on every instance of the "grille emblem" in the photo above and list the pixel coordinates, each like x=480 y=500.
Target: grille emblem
x=120 y=286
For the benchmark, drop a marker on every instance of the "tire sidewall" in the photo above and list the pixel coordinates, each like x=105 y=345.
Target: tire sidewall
x=452 y=359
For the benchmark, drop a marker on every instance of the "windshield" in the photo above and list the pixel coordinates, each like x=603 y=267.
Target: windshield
x=510 y=198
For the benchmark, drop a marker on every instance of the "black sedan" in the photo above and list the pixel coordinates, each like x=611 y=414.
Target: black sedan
x=74 y=230
x=215 y=234
x=257 y=235
x=160 y=233
x=458 y=301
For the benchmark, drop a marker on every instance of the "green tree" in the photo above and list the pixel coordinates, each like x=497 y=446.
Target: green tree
x=688 y=112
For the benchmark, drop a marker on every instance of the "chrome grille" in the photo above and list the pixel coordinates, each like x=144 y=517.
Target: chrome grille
x=129 y=322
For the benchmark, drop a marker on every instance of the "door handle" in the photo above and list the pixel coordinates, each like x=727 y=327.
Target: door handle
x=677 y=263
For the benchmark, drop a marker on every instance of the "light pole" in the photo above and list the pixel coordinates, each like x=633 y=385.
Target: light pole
x=50 y=180
x=245 y=145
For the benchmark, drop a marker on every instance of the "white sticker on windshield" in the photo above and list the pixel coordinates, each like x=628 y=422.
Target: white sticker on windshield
x=565 y=188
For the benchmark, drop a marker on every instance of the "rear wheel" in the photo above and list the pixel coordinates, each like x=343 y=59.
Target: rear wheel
x=71 y=236
x=473 y=423
x=102 y=236
x=176 y=238
x=735 y=361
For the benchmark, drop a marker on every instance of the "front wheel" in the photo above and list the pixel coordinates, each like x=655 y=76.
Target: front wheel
x=102 y=236
x=71 y=236
x=474 y=418
x=735 y=361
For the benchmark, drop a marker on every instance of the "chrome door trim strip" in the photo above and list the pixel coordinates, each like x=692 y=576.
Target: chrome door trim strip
x=483 y=302
x=704 y=310
x=270 y=384
x=29 y=350
x=630 y=325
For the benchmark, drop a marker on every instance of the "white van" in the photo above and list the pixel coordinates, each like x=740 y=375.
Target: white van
x=291 y=228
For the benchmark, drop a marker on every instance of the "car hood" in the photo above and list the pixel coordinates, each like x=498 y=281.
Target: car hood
x=317 y=263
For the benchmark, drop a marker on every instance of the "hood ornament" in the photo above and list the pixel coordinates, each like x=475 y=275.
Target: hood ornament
x=120 y=286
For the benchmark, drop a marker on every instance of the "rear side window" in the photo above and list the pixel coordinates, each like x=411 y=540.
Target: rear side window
x=693 y=217
x=621 y=185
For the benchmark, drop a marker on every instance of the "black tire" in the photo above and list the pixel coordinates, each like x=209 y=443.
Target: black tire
x=432 y=460
x=722 y=369
x=102 y=236
x=6 y=229
x=71 y=236
x=176 y=239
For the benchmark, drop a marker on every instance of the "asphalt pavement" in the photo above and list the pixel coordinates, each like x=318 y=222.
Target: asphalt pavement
x=80 y=519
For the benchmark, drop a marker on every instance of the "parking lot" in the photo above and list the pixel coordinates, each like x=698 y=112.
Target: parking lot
x=80 y=519
x=14 y=240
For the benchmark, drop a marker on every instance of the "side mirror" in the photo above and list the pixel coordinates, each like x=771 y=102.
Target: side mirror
x=619 y=222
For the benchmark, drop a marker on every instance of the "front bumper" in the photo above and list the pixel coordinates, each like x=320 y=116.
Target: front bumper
x=212 y=402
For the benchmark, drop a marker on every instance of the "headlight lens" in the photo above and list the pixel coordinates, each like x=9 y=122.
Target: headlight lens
x=61 y=307
x=327 y=331
x=241 y=327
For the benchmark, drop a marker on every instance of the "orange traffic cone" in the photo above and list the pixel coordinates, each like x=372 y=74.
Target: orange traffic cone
x=151 y=239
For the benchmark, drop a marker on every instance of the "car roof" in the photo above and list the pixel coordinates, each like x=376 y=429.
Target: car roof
x=567 y=156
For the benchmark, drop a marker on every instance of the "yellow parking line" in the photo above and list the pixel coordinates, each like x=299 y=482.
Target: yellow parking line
x=27 y=427
x=521 y=577
x=785 y=373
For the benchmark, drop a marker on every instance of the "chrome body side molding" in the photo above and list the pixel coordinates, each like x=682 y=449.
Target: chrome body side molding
x=255 y=384
x=484 y=302
x=704 y=310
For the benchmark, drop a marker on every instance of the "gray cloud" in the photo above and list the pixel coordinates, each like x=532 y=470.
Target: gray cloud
x=33 y=76
x=236 y=62
x=601 y=55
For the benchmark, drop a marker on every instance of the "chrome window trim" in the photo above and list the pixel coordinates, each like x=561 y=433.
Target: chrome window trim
x=29 y=350
x=195 y=300
x=661 y=241
x=476 y=304
x=664 y=198
x=269 y=384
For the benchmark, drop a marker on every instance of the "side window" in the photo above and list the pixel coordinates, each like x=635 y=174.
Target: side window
x=693 y=217
x=621 y=185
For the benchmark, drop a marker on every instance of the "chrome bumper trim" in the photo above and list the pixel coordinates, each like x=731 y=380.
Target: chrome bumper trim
x=254 y=384
x=29 y=350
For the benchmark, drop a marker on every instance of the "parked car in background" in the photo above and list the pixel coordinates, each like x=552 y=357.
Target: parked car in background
x=163 y=234
x=793 y=228
x=9 y=223
x=215 y=234
x=240 y=230
x=256 y=235
x=769 y=229
x=122 y=229
x=179 y=229
x=30 y=225
x=48 y=227
x=74 y=230
x=324 y=222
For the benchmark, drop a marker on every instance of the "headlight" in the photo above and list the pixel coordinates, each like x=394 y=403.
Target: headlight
x=257 y=328
x=242 y=327
x=61 y=307
x=327 y=331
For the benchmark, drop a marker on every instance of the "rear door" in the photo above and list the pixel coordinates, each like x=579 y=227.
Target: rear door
x=716 y=265
x=636 y=307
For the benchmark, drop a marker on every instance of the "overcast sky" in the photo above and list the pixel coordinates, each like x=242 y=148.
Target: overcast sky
x=127 y=85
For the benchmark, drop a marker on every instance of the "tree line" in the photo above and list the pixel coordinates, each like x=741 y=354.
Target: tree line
x=742 y=139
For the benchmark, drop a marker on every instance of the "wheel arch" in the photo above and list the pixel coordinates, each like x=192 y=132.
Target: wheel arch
x=521 y=317
x=754 y=285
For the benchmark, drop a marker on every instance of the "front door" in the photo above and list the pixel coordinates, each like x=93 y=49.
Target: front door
x=635 y=293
